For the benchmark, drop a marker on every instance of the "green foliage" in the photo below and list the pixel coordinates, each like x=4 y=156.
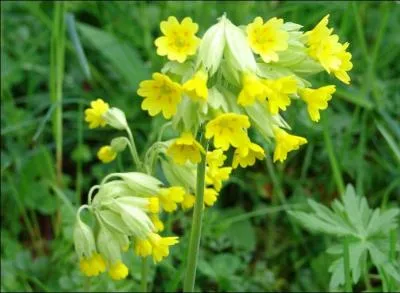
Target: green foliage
x=367 y=231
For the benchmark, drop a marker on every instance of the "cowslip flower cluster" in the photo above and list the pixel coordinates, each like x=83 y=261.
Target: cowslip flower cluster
x=233 y=79
x=126 y=207
x=125 y=210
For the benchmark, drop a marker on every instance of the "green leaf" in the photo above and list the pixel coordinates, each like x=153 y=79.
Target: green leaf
x=124 y=58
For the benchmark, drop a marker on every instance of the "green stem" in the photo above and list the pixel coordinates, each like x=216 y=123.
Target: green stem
x=332 y=158
x=346 y=261
x=144 y=274
x=134 y=152
x=194 y=242
x=56 y=79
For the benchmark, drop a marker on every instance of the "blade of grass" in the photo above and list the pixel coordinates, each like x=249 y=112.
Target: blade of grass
x=332 y=158
x=389 y=140
x=57 y=50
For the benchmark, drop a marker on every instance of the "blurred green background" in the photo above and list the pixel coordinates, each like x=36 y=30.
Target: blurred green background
x=249 y=242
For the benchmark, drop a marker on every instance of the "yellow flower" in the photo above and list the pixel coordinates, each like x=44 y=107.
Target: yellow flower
x=215 y=176
x=247 y=156
x=169 y=197
x=154 y=205
x=94 y=115
x=143 y=247
x=228 y=129
x=216 y=158
x=286 y=143
x=118 y=271
x=188 y=201
x=106 y=154
x=161 y=95
x=179 y=40
x=158 y=224
x=317 y=99
x=319 y=32
x=160 y=246
x=185 y=148
x=210 y=196
x=278 y=92
x=327 y=49
x=252 y=89
x=267 y=38
x=93 y=265
x=196 y=87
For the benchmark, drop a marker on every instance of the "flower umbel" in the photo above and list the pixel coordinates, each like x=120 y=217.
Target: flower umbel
x=94 y=115
x=267 y=38
x=179 y=40
x=160 y=94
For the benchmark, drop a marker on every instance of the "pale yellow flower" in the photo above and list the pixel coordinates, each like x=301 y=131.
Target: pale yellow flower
x=161 y=94
x=185 y=148
x=267 y=38
x=94 y=115
x=285 y=143
x=317 y=99
x=179 y=40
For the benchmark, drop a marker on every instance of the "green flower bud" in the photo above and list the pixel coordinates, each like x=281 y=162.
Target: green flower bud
x=179 y=175
x=83 y=239
x=141 y=183
x=108 y=244
x=119 y=144
x=115 y=118
x=238 y=52
x=263 y=120
x=216 y=100
x=135 y=219
x=212 y=47
x=187 y=116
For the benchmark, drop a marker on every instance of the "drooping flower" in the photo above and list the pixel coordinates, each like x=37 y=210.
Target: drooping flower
x=285 y=143
x=278 y=91
x=216 y=158
x=185 y=148
x=161 y=95
x=252 y=89
x=93 y=265
x=196 y=87
x=169 y=197
x=143 y=247
x=267 y=38
x=317 y=99
x=215 y=176
x=228 y=129
x=106 y=154
x=327 y=49
x=210 y=196
x=247 y=156
x=188 y=201
x=94 y=115
x=160 y=246
x=158 y=224
x=118 y=271
x=179 y=40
